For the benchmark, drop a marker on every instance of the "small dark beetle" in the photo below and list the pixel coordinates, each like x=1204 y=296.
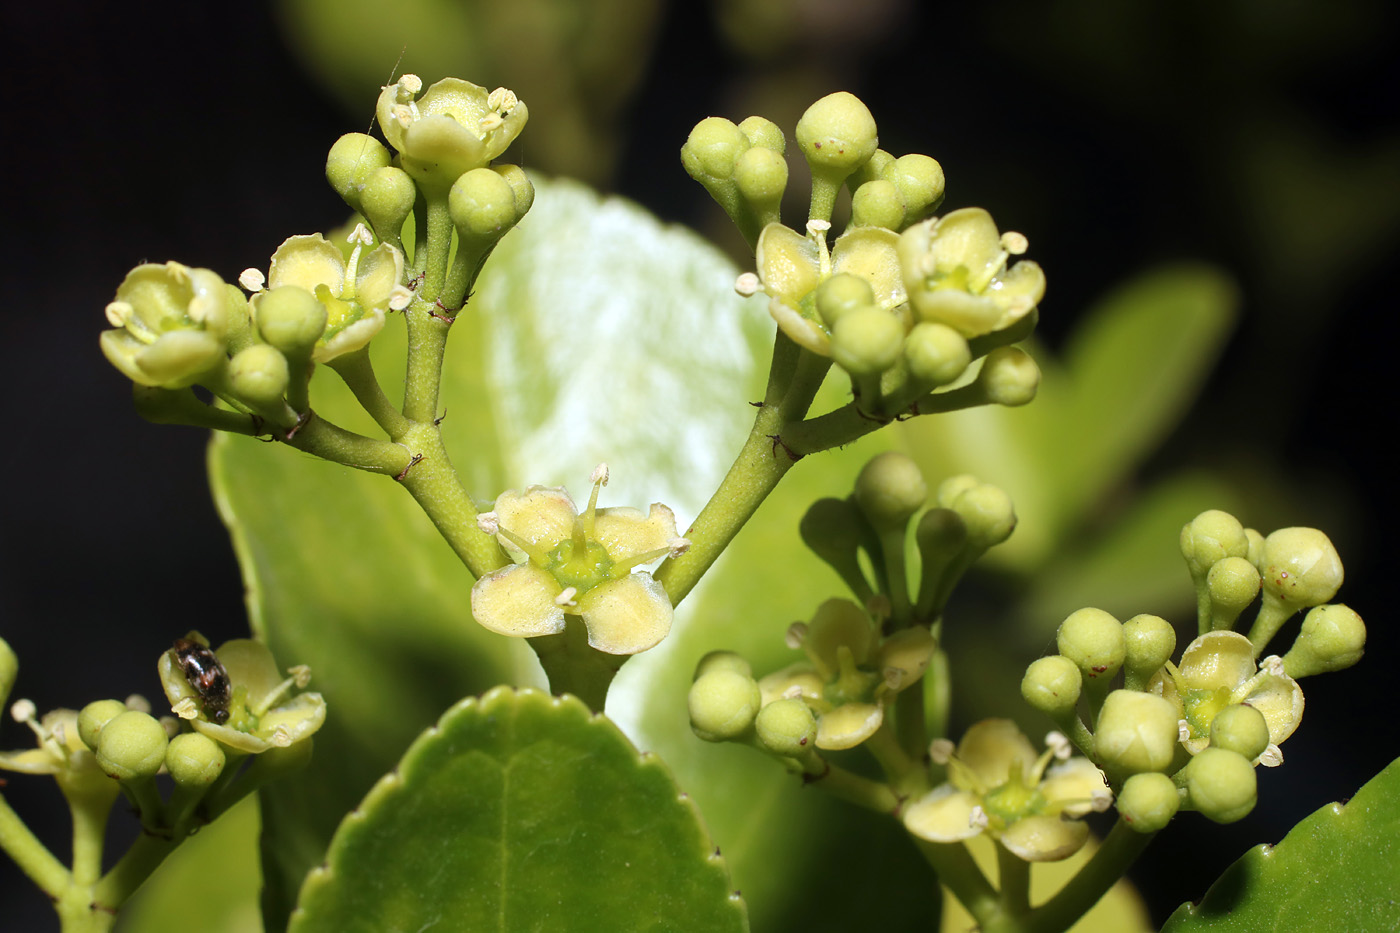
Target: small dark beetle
x=206 y=675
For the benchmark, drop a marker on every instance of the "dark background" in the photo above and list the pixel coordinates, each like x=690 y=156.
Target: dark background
x=1259 y=136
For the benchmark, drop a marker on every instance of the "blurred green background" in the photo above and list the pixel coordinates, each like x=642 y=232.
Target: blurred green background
x=1260 y=139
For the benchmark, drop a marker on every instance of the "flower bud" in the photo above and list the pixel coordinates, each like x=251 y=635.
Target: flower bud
x=835 y=530
x=786 y=727
x=877 y=204
x=1148 y=643
x=723 y=661
x=1232 y=582
x=353 y=158
x=919 y=180
x=1256 y=547
x=890 y=489
x=1148 y=801
x=482 y=204
x=866 y=341
x=9 y=671
x=1221 y=784
x=131 y=746
x=194 y=760
x=259 y=374
x=1211 y=536
x=837 y=135
x=712 y=149
x=1135 y=732
x=1094 y=641
x=289 y=318
x=1332 y=638
x=954 y=486
x=386 y=200
x=1240 y=728
x=936 y=354
x=841 y=294
x=763 y=133
x=1052 y=685
x=1300 y=567
x=94 y=716
x=761 y=176
x=987 y=512
x=1009 y=377
x=873 y=170
x=520 y=184
x=723 y=704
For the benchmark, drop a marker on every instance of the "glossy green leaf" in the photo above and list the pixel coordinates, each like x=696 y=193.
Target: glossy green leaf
x=1335 y=870
x=593 y=327
x=522 y=812
x=1130 y=370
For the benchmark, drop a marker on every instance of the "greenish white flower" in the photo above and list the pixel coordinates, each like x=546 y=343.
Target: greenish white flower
x=169 y=325
x=454 y=127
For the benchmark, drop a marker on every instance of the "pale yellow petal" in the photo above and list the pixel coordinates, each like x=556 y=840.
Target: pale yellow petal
x=907 y=653
x=376 y=276
x=541 y=515
x=801 y=330
x=31 y=761
x=968 y=237
x=307 y=261
x=626 y=616
x=789 y=265
x=249 y=664
x=1044 y=838
x=1280 y=699
x=837 y=623
x=1073 y=780
x=351 y=337
x=1024 y=281
x=518 y=600
x=969 y=315
x=992 y=747
x=242 y=741
x=869 y=252
x=794 y=680
x=296 y=720
x=625 y=532
x=944 y=814
x=1218 y=660
x=848 y=725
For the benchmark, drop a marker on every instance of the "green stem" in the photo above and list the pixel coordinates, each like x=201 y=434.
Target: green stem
x=437 y=489
x=32 y=857
x=1119 y=850
x=959 y=873
x=910 y=725
x=938 y=689
x=332 y=442
x=427 y=342
x=1014 y=879
x=576 y=667
x=896 y=574
x=844 y=785
x=356 y=370
x=849 y=423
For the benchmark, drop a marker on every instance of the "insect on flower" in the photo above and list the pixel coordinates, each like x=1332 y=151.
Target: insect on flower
x=206 y=675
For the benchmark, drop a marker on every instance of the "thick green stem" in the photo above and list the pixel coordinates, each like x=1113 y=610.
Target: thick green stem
x=576 y=667
x=356 y=370
x=844 y=785
x=332 y=442
x=437 y=489
x=1014 y=879
x=1119 y=850
x=32 y=857
x=427 y=341
x=959 y=873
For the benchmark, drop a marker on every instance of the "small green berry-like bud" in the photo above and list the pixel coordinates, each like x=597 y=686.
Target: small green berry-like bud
x=132 y=745
x=936 y=354
x=723 y=661
x=890 y=489
x=9 y=670
x=987 y=512
x=786 y=727
x=1240 y=728
x=954 y=486
x=194 y=760
x=712 y=149
x=764 y=133
x=520 y=184
x=1136 y=732
x=920 y=183
x=1009 y=377
x=723 y=704
x=94 y=716
x=1094 y=641
x=386 y=200
x=1232 y=582
x=877 y=204
x=835 y=530
x=873 y=170
x=1052 y=685
x=866 y=341
x=1221 y=784
x=1256 y=547
x=482 y=204
x=351 y=161
x=1148 y=801
x=1211 y=536
x=1300 y=567
x=1148 y=642
x=259 y=374
x=289 y=318
x=762 y=176
x=840 y=294
x=837 y=134
x=1332 y=638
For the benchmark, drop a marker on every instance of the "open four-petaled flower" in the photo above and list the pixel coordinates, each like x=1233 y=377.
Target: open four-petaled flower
x=579 y=564
x=998 y=784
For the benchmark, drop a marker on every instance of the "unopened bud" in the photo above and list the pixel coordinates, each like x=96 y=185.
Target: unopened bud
x=841 y=294
x=289 y=318
x=1333 y=637
x=1009 y=377
x=1240 y=728
x=482 y=204
x=1232 y=582
x=987 y=512
x=919 y=180
x=837 y=134
x=387 y=199
x=712 y=149
x=786 y=727
x=764 y=133
x=877 y=204
x=1148 y=642
x=890 y=489
x=723 y=661
x=723 y=704
x=1221 y=784
x=1148 y=801
x=1094 y=641
x=936 y=354
x=131 y=746
x=94 y=716
x=194 y=760
x=1052 y=685
x=867 y=341
x=1209 y=537
x=352 y=159
x=259 y=374
x=1135 y=732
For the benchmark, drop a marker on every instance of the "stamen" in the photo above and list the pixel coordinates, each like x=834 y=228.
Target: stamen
x=360 y=235
x=747 y=285
x=399 y=297
x=187 y=708
x=940 y=751
x=489 y=522
x=1102 y=799
x=490 y=123
x=1183 y=730
x=24 y=711
x=678 y=546
x=281 y=737
x=278 y=692
x=978 y=818
x=1059 y=744
x=301 y=673
x=119 y=312
x=409 y=86
x=252 y=280
x=795 y=635
x=1037 y=770
x=566 y=597
x=816 y=229
x=1014 y=243
x=1272 y=756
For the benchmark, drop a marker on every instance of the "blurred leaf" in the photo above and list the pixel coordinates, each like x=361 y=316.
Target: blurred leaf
x=522 y=812
x=1129 y=373
x=1335 y=870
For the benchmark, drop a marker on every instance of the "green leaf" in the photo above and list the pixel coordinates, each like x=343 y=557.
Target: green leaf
x=1129 y=372
x=522 y=812
x=595 y=333
x=1333 y=871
